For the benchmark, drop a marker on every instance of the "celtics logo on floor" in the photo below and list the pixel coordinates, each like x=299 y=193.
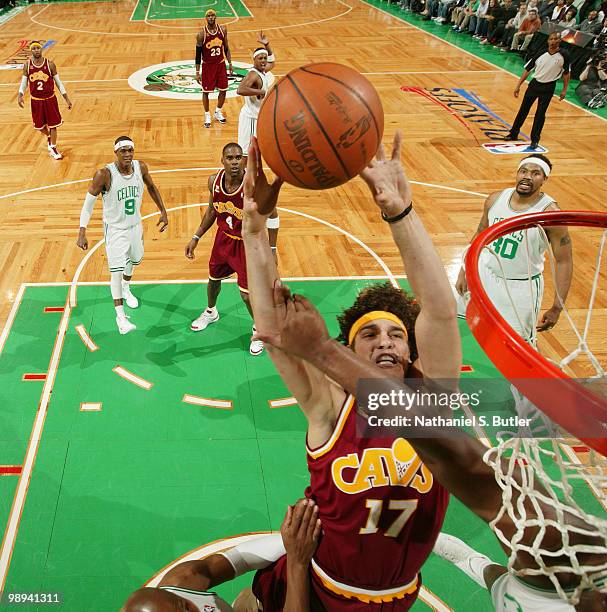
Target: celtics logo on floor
x=177 y=80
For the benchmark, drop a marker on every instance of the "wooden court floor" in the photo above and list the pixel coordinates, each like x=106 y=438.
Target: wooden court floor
x=335 y=233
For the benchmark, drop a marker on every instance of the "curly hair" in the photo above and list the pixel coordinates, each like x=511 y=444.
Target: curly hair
x=382 y=296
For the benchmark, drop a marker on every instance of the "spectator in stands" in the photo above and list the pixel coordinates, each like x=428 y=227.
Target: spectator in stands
x=502 y=15
x=531 y=24
x=591 y=25
x=561 y=15
x=592 y=89
x=512 y=27
x=461 y=24
x=556 y=11
x=443 y=10
x=570 y=19
x=481 y=11
x=482 y=24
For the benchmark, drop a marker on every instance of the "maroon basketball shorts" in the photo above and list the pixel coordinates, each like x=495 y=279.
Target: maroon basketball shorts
x=214 y=76
x=45 y=113
x=227 y=258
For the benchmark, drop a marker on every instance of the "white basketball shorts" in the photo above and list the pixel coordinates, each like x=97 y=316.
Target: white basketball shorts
x=123 y=246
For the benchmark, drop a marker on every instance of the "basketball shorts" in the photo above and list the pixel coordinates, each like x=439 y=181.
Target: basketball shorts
x=227 y=258
x=509 y=594
x=270 y=589
x=518 y=301
x=247 y=128
x=123 y=246
x=45 y=113
x=213 y=76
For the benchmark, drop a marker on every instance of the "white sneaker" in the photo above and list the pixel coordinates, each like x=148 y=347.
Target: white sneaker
x=470 y=561
x=128 y=297
x=204 y=320
x=124 y=325
x=207 y=120
x=256 y=347
x=54 y=153
x=219 y=116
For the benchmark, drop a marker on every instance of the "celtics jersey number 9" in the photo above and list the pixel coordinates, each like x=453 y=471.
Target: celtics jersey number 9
x=122 y=201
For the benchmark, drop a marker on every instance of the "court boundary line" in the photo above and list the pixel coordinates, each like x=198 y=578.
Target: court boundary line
x=482 y=59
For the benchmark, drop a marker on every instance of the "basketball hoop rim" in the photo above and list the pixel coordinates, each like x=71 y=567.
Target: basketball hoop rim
x=514 y=357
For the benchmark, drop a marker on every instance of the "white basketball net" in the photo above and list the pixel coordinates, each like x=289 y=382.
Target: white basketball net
x=538 y=477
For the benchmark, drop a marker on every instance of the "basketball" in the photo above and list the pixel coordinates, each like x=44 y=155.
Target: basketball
x=320 y=125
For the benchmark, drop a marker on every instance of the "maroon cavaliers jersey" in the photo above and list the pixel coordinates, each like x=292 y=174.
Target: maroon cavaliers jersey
x=381 y=512
x=213 y=46
x=42 y=85
x=228 y=206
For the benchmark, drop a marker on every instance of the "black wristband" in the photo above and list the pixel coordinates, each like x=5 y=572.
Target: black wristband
x=398 y=217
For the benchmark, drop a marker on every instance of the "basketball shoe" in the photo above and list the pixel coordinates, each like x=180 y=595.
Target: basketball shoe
x=256 y=347
x=219 y=116
x=52 y=151
x=128 y=297
x=207 y=120
x=470 y=561
x=208 y=316
x=124 y=325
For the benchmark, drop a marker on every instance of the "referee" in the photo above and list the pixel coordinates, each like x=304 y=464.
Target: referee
x=549 y=66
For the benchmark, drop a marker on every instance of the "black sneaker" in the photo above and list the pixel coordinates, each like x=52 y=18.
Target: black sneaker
x=534 y=145
x=510 y=136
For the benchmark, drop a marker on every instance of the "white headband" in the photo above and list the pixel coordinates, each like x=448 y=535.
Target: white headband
x=125 y=142
x=259 y=52
x=536 y=160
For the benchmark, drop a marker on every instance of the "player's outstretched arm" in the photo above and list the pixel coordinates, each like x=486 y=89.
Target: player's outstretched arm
x=436 y=330
x=300 y=533
x=308 y=385
x=206 y=224
x=99 y=183
x=163 y=221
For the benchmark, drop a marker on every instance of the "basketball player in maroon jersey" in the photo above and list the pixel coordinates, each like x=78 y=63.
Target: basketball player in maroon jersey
x=228 y=255
x=41 y=74
x=297 y=333
x=380 y=506
x=213 y=49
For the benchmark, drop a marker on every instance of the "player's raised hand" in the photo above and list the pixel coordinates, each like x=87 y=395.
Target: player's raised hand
x=300 y=531
x=262 y=38
x=260 y=197
x=387 y=180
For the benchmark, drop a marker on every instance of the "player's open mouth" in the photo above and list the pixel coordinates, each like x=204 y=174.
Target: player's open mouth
x=386 y=360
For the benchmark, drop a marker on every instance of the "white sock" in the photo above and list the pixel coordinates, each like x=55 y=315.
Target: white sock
x=212 y=311
x=125 y=284
x=120 y=311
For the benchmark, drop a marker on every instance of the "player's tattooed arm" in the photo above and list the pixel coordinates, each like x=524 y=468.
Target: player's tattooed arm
x=560 y=243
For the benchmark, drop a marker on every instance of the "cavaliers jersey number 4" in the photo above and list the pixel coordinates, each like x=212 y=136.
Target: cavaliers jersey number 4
x=228 y=206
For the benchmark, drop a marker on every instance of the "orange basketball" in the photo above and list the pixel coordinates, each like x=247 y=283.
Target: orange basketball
x=320 y=125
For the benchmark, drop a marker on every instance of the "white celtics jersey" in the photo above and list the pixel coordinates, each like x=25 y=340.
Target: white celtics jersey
x=512 y=249
x=204 y=600
x=251 y=103
x=122 y=202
